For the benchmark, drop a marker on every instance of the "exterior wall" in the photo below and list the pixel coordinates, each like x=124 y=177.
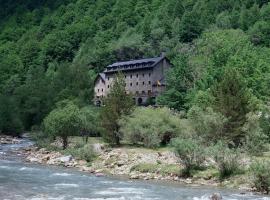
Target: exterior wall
x=139 y=82
x=100 y=89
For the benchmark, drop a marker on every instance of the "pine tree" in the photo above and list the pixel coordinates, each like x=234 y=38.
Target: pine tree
x=232 y=99
x=116 y=104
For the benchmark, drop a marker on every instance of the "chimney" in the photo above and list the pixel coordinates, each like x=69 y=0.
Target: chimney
x=163 y=54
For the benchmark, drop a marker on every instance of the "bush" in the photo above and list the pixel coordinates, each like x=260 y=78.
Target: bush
x=63 y=121
x=207 y=123
x=191 y=153
x=261 y=175
x=255 y=139
x=228 y=160
x=152 y=126
x=84 y=153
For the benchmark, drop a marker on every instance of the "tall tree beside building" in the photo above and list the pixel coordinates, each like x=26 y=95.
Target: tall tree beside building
x=116 y=104
x=233 y=100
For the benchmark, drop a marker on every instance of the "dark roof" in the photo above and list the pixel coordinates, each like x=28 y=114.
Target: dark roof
x=134 y=64
x=102 y=76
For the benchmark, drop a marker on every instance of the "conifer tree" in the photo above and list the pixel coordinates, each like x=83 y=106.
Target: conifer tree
x=116 y=104
x=232 y=99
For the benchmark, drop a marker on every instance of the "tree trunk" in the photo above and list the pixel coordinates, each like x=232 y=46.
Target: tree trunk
x=65 y=142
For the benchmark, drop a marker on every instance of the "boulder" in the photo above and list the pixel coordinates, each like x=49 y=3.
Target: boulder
x=99 y=174
x=65 y=158
x=215 y=196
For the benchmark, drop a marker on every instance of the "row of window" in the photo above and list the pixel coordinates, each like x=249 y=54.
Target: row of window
x=137 y=76
x=143 y=92
x=143 y=83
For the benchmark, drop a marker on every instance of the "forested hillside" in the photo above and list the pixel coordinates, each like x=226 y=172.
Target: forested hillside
x=51 y=50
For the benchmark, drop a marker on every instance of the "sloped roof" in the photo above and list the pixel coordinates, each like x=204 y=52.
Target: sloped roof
x=102 y=76
x=136 y=64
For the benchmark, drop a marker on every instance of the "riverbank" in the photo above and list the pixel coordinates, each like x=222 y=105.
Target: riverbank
x=134 y=163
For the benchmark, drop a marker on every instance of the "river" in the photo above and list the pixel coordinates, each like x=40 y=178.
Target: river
x=24 y=181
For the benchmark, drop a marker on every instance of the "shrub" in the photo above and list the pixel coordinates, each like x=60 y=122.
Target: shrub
x=191 y=153
x=228 y=160
x=255 y=139
x=261 y=175
x=85 y=153
x=207 y=123
x=63 y=121
x=152 y=126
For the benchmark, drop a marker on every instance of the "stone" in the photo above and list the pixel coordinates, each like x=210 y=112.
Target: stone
x=65 y=158
x=33 y=159
x=134 y=176
x=98 y=148
x=215 y=196
x=99 y=174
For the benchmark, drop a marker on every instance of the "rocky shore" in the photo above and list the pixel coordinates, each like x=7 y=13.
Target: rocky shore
x=119 y=162
x=125 y=162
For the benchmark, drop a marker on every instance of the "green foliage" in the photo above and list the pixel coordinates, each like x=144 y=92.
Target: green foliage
x=85 y=152
x=63 y=121
x=228 y=160
x=116 y=104
x=255 y=138
x=208 y=124
x=179 y=81
x=153 y=126
x=10 y=122
x=260 y=171
x=52 y=51
x=232 y=100
x=191 y=153
x=89 y=118
x=164 y=169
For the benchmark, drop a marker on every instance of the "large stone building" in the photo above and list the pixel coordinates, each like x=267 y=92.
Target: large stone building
x=145 y=78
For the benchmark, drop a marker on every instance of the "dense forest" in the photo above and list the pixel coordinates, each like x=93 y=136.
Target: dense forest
x=51 y=51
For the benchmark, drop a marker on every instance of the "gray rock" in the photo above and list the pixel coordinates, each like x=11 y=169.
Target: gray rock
x=65 y=158
x=33 y=160
x=98 y=148
x=215 y=196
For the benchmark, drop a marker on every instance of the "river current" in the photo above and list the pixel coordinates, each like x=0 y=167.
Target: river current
x=23 y=181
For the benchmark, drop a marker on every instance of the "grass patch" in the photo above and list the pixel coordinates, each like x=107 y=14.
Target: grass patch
x=164 y=169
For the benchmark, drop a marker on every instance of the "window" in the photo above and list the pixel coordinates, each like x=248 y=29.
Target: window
x=149 y=82
x=108 y=86
x=143 y=82
x=130 y=84
x=149 y=74
x=98 y=90
x=131 y=76
x=102 y=90
x=142 y=75
x=137 y=83
x=149 y=92
x=137 y=75
x=108 y=78
x=125 y=76
x=143 y=92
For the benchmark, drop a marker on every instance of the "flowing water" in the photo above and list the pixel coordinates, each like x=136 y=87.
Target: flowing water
x=21 y=181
